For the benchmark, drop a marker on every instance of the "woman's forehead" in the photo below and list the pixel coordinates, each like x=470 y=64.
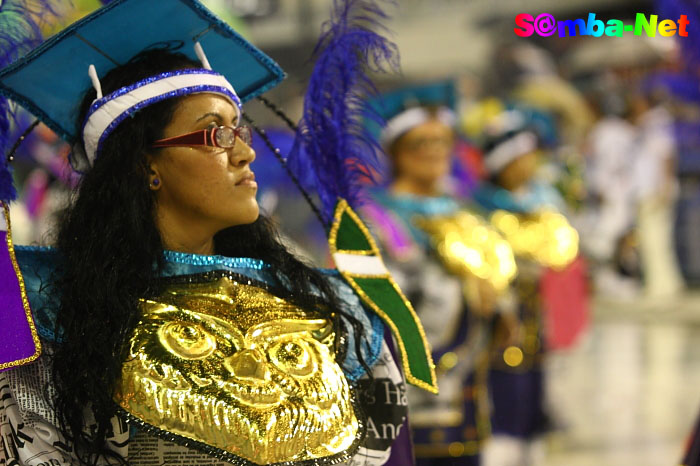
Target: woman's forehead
x=196 y=106
x=430 y=127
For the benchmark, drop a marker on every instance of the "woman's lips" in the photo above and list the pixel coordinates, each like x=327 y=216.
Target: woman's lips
x=247 y=179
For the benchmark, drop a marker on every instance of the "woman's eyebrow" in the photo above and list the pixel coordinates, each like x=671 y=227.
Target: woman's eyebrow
x=216 y=115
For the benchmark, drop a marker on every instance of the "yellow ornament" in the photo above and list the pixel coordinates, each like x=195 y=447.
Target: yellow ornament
x=545 y=237
x=232 y=366
x=468 y=247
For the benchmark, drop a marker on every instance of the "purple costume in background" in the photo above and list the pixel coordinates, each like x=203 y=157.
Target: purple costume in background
x=517 y=390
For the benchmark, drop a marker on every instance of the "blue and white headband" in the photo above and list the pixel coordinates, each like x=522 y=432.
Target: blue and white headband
x=409 y=119
x=107 y=112
x=507 y=151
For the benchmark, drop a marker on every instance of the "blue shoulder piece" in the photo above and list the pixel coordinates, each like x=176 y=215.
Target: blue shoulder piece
x=372 y=325
x=405 y=207
x=37 y=265
x=538 y=196
x=180 y=263
x=490 y=197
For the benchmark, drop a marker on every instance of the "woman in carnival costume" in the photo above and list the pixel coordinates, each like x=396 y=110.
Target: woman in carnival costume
x=169 y=324
x=526 y=213
x=452 y=266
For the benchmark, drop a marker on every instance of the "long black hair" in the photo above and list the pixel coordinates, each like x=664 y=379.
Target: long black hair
x=112 y=255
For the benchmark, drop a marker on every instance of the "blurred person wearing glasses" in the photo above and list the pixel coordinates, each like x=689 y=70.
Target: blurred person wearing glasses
x=447 y=260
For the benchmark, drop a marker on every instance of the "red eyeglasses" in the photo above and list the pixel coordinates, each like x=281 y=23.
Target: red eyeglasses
x=220 y=136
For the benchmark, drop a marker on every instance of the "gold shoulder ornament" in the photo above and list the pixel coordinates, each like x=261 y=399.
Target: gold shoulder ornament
x=545 y=237
x=470 y=247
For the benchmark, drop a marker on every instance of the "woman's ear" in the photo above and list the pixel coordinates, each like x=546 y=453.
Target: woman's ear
x=154 y=180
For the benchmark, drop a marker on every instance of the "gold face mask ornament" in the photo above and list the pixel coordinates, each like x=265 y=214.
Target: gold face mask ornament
x=224 y=366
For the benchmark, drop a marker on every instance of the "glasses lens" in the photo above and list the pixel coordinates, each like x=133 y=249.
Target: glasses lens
x=245 y=134
x=225 y=137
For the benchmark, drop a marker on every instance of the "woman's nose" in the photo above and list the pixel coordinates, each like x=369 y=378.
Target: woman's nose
x=242 y=154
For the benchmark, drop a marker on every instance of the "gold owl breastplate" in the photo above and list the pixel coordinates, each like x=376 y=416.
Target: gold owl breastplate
x=220 y=364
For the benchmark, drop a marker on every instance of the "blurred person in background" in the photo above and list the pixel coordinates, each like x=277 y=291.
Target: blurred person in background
x=422 y=227
x=656 y=189
x=529 y=78
x=549 y=289
x=611 y=213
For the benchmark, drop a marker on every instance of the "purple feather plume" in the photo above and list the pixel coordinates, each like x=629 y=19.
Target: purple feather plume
x=332 y=154
x=7 y=187
x=19 y=33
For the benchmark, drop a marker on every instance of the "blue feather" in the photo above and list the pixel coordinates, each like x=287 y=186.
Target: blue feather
x=19 y=33
x=332 y=154
x=673 y=9
x=7 y=187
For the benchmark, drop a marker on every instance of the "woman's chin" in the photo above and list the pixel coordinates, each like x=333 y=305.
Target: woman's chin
x=250 y=214
x=245 y=214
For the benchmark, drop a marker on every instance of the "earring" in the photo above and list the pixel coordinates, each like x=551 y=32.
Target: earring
x=155 y=183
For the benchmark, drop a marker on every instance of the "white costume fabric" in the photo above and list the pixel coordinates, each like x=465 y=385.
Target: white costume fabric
x=657 y=192
x=609 y=176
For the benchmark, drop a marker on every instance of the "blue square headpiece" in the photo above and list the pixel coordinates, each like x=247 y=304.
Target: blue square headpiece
x=404 y=108
x=51 y=80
